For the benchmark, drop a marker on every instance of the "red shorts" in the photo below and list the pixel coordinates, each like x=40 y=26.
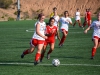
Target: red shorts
x=96 y=37
x=35 y=42
x=49 y=41
x=64 y=30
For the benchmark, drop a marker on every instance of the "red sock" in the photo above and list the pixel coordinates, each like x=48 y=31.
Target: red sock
x=93 y=51
x=25 y=52
x=37 y=56
x=49 y=51
x=84 y=24
x=89 y=24
x=62 y=40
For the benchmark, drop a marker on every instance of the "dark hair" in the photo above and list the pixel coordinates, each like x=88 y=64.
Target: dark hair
x=51 y=19
x=40 y=15
x=54 y=8
x=77 y=8
x=66 y=12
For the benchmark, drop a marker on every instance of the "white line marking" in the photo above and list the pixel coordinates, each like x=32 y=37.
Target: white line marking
x=49 y=64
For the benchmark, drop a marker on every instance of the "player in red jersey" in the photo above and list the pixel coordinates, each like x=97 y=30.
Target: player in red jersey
x=96 y=34
x=38 y=39
x=87 y=18
x=51 y=32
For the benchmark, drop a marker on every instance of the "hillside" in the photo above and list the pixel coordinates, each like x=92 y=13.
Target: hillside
x=29 y=8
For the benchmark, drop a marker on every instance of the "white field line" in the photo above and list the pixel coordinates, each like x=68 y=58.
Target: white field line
x=49 y=64
x=32 y=30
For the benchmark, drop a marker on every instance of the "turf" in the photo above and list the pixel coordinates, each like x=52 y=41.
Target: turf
x=74 y=55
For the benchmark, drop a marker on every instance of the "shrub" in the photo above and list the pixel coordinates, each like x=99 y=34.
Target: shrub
x=2 y=17
x=10 y=19
x=15 y=13
x=26 y=15
x=5 y=3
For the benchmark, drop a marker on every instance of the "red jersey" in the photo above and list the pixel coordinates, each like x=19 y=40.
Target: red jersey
x=88 y=15
x=52 y=32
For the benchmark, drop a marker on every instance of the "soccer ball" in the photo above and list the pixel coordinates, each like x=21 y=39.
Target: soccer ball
x=55 y=62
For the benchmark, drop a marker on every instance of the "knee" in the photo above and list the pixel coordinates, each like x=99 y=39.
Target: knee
x=52 y=48
x=30 y=51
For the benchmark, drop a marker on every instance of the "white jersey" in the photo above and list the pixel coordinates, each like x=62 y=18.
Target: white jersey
x=77 y=16
x=65 y=23
x=42 y=31
x=56 y=20
x=96 y=26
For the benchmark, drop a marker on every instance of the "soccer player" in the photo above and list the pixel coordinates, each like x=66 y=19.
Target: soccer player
x=56 y=23
x=54 y=10
x=96 y=34
x=87 y=18
x=65 y=21
x=38 y=39
x=77 y=18
x=51 y=31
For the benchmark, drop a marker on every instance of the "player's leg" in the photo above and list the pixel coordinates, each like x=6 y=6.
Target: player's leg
x=89 y=23
x=95 y=41
x=50 y=50
x=84 y=24
x=79 y=23
x=74 y=23
x=28 y=51
x=58 y=35
x=64 y=32
x=38 y=53
x=32 y=47
x=98 y=43
x=43 y=52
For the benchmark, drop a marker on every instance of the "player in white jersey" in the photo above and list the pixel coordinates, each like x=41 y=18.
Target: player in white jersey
x=56 y=23
x=96 y=34
x=77 y=18
x=38 y=39
x=65 y=21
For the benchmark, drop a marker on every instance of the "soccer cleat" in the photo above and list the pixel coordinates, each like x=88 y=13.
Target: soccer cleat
x=60 y=45
x=36 y=62
x=48 y=56
x=92 y=57
x=22 y=56
x=40 y=60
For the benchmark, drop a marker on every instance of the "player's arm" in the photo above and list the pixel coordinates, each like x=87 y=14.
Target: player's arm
x=38 y=31
x=70 y=21
x=87 y=29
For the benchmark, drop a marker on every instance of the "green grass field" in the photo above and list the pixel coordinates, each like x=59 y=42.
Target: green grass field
x=74 y=55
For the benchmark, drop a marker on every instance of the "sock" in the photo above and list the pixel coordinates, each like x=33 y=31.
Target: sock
x=84 y=24
x=93 y=51
x=49 y=51
x=25 y=52
x=37 y=56
x=74 y=24
x=62 y=40
x=42 y=55
x=89 y=24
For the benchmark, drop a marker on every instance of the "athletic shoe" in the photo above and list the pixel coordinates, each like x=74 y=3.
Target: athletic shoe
x=60 y=45
x=48 y=56
x=92 y=57
x=36 y=62
x=22 y=56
